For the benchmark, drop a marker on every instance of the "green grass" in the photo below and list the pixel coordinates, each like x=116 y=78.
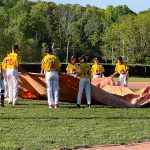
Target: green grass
x=136 y=79
x=31 y=125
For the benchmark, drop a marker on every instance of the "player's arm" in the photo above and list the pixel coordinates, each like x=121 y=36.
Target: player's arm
x=92 y=70
x=103 y=70
x=58 y=65
x=42 y=70
x=115 y=73
x=127 y=71
x=17 y=63
x=67 y=69
x=42 y=66
x=21 y=70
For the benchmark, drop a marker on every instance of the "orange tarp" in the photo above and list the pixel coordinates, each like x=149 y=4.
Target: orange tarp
x=104 y=91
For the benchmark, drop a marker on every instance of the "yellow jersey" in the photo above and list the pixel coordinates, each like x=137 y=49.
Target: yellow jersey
x=72 y=68
x=97 y=69
x=4 y=64
x=13 y=60
x=50 y=63
x=85 y=71
x=121 y=68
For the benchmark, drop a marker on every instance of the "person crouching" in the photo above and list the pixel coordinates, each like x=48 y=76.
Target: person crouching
x=121 y=69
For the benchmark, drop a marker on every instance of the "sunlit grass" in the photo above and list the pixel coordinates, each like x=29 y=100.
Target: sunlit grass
x=31 y=125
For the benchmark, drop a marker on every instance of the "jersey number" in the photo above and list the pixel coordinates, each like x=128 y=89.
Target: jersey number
x=10 y=62
x=52 y=64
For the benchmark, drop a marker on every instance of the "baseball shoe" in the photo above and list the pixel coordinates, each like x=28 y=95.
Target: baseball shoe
x=56 y=106
x=6 y=99
x=15 y=103
x=9 y=102
x=78 y=106
x=89 y=106
x=50 y=106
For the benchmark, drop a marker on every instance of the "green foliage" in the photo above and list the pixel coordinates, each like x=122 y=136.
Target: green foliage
x=88 y=29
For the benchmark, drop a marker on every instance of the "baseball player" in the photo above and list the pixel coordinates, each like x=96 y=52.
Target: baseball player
x=4 y=67
x=72 y=67
x=121 y=69
x=1 y=87
x=84 y=83
x=97 y=70
x=51 y=65
x=13 y=62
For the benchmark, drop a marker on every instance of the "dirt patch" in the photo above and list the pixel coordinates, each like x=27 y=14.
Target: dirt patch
x=138 y=146
x=138 y=85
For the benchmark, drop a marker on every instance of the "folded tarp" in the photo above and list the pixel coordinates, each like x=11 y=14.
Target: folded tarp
x=104 y=91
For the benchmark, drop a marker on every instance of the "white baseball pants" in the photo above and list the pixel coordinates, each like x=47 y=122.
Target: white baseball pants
x=98 y=76
x=12 y=80
x=84 y=84
x=52 y=85
x=122 y=80
x=5 y=83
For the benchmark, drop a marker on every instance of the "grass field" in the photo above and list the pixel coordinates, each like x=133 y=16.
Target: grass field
x=31 y=125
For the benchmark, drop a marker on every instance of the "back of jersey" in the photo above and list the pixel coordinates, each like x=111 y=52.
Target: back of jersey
x=50 y=63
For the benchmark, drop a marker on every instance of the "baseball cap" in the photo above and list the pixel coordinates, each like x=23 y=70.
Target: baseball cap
x=120 y=58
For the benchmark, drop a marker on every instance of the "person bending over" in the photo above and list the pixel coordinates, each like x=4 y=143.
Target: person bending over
x=72 y=67
x=97 y=70
x=121 y=69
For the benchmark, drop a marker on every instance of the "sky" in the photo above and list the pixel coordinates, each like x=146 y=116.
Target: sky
x=135 y=5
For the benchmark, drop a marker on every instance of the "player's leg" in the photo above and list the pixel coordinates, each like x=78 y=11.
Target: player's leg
x=15 y=86
x=49 y=87
x=5 y=84
x=88 y=92
x=56 y=88
x=10 y=86
x=120 y=80
x=2 y=93
x=125 y=81
x=80 y=91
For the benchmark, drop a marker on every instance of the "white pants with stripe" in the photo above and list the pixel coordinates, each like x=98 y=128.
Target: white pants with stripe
x=122 y=80
x=12 y=80
x=84 y=84
x=52 y=85
x=5 y=83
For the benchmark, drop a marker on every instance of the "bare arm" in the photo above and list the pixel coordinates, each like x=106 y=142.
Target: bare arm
x=114 y=74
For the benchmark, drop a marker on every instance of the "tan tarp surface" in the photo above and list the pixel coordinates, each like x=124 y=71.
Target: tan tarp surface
x=104 y=91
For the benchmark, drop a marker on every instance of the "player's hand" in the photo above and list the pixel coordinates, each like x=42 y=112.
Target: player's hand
x=75 y=76
x=111 y=76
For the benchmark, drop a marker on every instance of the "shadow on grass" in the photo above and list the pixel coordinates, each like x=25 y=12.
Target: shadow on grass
x=71 y=118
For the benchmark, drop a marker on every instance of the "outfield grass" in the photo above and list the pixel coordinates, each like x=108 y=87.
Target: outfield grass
x=136 y=79
x=31 y=125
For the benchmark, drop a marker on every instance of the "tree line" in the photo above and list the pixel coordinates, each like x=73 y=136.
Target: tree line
x=104 y=33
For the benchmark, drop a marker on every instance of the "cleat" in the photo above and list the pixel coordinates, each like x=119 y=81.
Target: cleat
x=89 y=106
x=56 y=106
x=78 y=106
x=50 y=106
